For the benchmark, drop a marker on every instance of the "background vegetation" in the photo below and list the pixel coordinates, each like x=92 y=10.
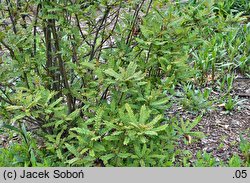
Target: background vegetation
x=87 y=83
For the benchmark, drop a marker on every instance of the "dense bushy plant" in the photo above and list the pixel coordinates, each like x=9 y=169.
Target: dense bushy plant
x=93 y=78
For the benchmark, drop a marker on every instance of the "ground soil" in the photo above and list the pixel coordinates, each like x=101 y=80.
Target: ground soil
x=222 y=128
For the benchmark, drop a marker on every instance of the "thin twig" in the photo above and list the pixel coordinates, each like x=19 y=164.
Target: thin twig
x=92 y=53
x=136 y=14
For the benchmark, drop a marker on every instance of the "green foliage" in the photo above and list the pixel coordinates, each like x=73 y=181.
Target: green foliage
x=94 y=78
x=205 y=160
x=128 y=138
x=226 y=83
x=235 y=161
x=184 y=128
x=231 y=103
x=15 y=155
x=196 y=100
x=245 y=149
x=24 y=154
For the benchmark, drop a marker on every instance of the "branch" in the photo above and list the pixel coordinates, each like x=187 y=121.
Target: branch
x=92 y=53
